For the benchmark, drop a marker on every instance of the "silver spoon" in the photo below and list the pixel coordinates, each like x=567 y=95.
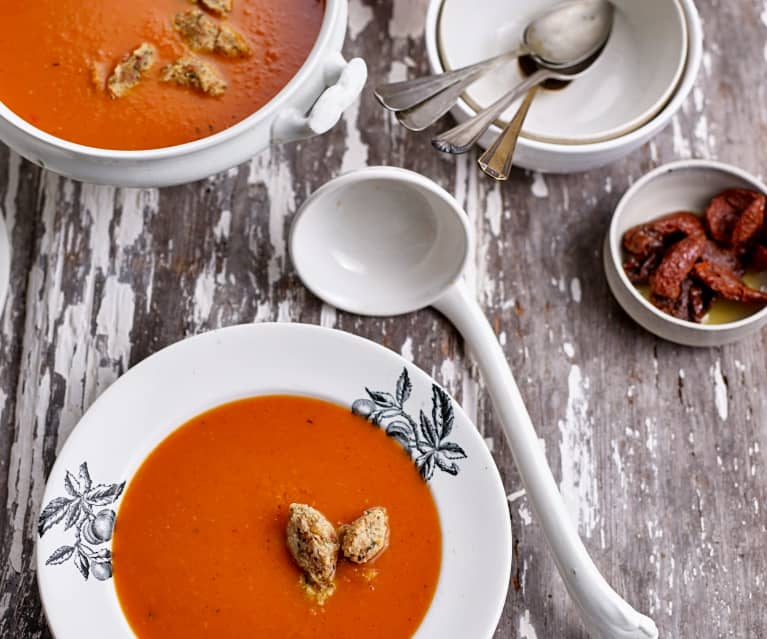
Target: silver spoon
x=496 y=160
x=556 y=40
x=399 y=96
x=539 y=40
x=423 y=115
x=461 y=138
x=383 y=241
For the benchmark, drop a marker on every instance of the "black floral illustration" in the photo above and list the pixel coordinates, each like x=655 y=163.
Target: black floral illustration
x=425 y=439
x=82 y=510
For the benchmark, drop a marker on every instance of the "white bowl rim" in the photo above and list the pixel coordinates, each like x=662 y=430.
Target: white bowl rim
x=694 y=60
x=627 y=127
x=615 y=248
x=333 y=11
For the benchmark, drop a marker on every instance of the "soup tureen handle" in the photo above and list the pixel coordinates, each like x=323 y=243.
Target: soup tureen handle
x=343 y=84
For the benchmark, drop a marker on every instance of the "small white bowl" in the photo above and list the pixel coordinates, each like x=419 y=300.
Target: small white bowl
x=632 y=80
x=571 y=158
x=686 y=185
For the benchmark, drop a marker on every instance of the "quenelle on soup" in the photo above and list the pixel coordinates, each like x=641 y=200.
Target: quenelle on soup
x=149 y=73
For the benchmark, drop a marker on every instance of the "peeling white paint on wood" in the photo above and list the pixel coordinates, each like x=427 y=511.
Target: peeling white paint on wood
x=539 y=188
x=328 y=316
x=407 y=19
x=575 y=290
x=103 y=277
x=356 y=154
x=407 y=349
x=578 y=483
x=360 y=16
x=720 y=391
x=682 y=148
x=525 y=627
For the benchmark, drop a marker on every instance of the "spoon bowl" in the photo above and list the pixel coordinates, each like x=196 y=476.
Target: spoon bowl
x=569 y=33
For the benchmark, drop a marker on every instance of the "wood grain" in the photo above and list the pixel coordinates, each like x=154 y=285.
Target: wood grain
x=658 y=449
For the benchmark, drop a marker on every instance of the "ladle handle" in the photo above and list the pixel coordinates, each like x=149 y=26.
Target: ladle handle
x=604 y=612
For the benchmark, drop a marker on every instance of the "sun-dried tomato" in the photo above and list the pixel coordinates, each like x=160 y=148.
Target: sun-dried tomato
x=724 y=210
x=645 y=239
x=749 y=225
x=727 y=284
x=759 y=258
x=692 y=304
x=642 y=242
x=700 y=302
x=713 y=252
x=679 y=307
x=638 y=270
x=676 y=266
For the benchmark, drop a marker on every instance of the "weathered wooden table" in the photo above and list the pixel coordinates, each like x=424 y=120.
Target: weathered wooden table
x=658 y=449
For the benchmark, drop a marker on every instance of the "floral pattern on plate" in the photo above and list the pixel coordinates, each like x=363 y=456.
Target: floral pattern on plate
x=77 y=510
x=425 y=440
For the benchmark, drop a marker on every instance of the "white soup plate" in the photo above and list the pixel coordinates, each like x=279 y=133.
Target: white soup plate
x=163 y=392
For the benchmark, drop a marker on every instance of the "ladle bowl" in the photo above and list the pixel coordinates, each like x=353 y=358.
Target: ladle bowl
x=380 y=242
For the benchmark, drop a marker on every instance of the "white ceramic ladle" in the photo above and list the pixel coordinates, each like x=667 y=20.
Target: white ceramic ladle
x=385 y=241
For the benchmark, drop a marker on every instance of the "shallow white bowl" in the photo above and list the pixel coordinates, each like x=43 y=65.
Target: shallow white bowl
x=687 y=185
x=571 y=158
x=164 y=391
x=309 y=104
x=632 y=80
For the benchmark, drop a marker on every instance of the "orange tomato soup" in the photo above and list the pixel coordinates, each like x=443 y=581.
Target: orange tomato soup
x=51 y=49
x=199 y=546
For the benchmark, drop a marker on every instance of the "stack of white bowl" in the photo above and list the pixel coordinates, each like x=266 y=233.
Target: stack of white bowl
x=640 y=81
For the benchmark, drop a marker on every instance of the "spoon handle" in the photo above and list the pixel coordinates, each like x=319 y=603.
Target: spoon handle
x=399 y=96
x=423 y=115
x=496 y=161
x=604 y=612
x=461 y=138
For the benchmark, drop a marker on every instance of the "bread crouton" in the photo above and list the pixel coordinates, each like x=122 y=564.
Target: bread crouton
x=202 y=33
x=195 y=74
x=219 y=7
x=313 y=543
x=131 y=69
x=366 y=537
